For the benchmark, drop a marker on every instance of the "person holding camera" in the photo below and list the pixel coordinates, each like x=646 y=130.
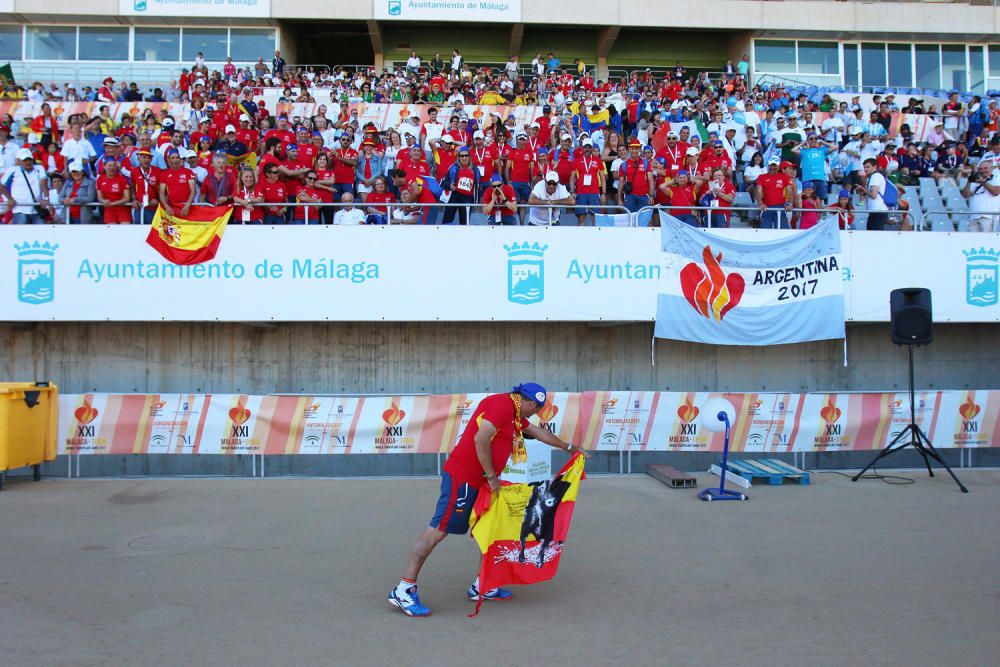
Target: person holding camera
x=636 y=180
x=500 y=202
x=26 y=187
x=982 y=190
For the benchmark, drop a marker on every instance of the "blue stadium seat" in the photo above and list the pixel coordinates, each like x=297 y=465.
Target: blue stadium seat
x=837 y=89
x=993 y=92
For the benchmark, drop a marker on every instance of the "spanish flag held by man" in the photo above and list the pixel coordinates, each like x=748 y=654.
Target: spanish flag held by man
x=191 y=239
x=495 y=431
x=502 y=524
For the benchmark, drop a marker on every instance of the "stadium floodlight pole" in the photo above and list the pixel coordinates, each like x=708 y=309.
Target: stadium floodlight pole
x=719 y=413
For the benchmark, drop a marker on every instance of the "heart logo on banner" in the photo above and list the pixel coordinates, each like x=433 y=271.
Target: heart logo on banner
x=239 y=415
x=85 y=414
x=709 y=290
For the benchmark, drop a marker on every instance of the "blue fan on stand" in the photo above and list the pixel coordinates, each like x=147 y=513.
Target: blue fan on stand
x=717 y=414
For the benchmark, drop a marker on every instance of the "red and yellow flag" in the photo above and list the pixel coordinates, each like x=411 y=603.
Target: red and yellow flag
x=192 y=239
x=521 y=529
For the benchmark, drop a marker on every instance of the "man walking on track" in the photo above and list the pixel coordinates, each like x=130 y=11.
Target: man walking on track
x=497 y=429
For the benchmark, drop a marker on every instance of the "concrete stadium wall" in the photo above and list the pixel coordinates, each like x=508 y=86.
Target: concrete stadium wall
x=903 y=19
x=466 y=357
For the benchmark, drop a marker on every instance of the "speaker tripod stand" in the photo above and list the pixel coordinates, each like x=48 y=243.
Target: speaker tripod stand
x=918 y=440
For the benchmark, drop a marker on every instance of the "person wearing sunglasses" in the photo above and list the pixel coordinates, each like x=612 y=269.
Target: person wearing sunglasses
x=275 y=196
x=308 y=194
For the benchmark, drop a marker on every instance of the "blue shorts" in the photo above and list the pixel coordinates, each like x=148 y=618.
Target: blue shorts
x=588 y=204
x=454 y=507
x=522 y=190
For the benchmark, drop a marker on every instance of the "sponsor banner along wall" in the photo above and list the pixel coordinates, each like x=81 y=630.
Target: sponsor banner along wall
x=477 y=274
x=599 y=420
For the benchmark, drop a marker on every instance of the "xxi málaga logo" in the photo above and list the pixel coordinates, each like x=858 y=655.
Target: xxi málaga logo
x=36 y=272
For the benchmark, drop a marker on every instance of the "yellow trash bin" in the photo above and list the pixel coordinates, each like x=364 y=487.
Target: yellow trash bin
x=29 y=421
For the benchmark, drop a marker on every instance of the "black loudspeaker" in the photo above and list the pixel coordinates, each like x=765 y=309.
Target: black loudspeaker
x=910 y=314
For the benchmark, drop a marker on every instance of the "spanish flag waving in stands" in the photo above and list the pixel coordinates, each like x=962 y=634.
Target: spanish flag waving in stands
x=521 y=529
x=190 y=240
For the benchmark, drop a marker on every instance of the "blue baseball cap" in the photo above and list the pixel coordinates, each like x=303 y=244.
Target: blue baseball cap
x=718 y=143
x=291 y=147
x=543 y=151
x=496 y=178
x=843 y=194
x=531 y=391
x=464 y=150
x=682 y=172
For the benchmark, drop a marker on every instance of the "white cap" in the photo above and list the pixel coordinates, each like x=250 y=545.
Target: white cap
x=478 y=134
x=168 y=122
x=230 y=128
x=692 y=151
x=535 y=125
x=25 y=154
x=244 y=117
x=671 y=133
x=190 y=154
x=774 y=160
x=34 y=139
x=551 y=176
x=587 y=142
x=448 y=139
x=76 y=165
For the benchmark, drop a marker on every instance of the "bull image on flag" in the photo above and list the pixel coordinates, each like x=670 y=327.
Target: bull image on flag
x=189 y=240
x=522 y=528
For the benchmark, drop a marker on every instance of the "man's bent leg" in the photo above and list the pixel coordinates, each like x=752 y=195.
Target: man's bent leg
x=430 y=538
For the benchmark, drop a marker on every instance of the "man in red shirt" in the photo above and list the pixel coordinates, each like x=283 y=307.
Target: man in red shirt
x=636 y=180
x=587 y=182
x=114 y=194
x=344 y=159
x=145 y=188
x=178 y=185
x=774 y=197
x=521 y=169
x=672 y=153
x=444 y=154
x=273 y=190
x=484 y=158
x=715 y=159
x=281 y=132
x=496 y=430
x=681 y=192
x=545 y=125
x=413 y=163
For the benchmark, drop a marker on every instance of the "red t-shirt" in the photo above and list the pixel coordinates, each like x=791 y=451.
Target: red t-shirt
x=344 y=173
x=307 y=155
x=179 y=184
x=727 y=189
x=634 y=172
x=300 y=211
x=587 y=180
x=256 y=212
x=485 y=160
x=682 y=196
x=445 y=158
x=463 y=464
x=380 y=198
x=465 y=181
x=268 y=159
x=146 y=185
x=772 y=188
x=113 y=189
x=521 y=163
x=249 y=137
x=325 y=175
x=285 y=136
x=274 y=193
x=414 y=169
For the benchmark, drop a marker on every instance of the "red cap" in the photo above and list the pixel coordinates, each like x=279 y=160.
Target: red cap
x=634 y=143
x=786 y=164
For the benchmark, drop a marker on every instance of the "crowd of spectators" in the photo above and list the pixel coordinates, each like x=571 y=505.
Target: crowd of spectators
x=591 y=147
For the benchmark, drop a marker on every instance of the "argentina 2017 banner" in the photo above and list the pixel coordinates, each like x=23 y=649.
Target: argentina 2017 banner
x=784 y=289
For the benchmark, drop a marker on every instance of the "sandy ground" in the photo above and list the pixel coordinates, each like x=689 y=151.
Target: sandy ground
x=295 y=572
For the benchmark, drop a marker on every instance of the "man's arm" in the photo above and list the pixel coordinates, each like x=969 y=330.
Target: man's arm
x=483 y=439
x=550 y=439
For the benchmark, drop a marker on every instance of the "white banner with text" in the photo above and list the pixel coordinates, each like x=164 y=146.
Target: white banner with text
x=376 y=273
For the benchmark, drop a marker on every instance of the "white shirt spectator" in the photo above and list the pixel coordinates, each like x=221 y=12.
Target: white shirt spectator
x=17 y=179
x=413 y=62
x=349 y=216
x=8 y=154
x=981 y=201
x=78 y=149
x=876 y=203
x=541 y=215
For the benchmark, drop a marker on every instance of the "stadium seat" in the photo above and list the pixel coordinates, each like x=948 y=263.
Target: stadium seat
x=993 y=92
